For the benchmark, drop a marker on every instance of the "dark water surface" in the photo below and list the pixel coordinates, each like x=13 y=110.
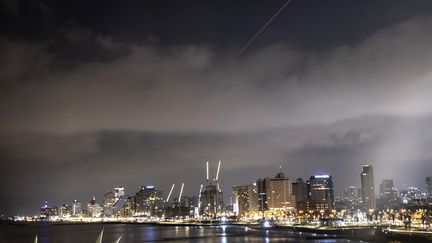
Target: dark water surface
x=149 y=233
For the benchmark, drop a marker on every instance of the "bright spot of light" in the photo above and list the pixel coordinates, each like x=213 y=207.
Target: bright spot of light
x=266 y=224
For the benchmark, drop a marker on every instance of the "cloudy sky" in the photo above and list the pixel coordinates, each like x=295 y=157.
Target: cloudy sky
x=95 y=94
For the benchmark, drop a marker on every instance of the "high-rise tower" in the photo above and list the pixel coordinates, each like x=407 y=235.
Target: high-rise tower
x=211 y=198
x=320 y=192
x=368 y=189
x=428 y=186
x=280 y=196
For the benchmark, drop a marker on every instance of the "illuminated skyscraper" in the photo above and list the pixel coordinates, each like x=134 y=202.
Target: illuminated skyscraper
x=93 y=208
x=149 y=202
x=428 y=186
x=263 y=186
x=280 y=196
x=64 y=210
x=320 y=192
x=352 y=198
x=110 y=200
x=387 y=196
x=241 y=199
x=352 y=193
x=212 y=201
x=387 y=190
x=211 y=196
x=253 y=197
x=245 y=199
x=368 y=189
x=75 y=208
x=47 y=211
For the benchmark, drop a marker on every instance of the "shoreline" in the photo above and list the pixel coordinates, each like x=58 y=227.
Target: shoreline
x=365 y=233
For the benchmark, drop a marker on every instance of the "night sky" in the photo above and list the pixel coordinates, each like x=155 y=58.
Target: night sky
x=95 y=94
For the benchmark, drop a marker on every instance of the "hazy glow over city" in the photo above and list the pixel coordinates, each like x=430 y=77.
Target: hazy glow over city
x=143 y=95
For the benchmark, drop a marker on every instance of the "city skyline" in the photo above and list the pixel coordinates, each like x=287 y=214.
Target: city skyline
x=98 y=94
x=339 y=190
x=369 y=198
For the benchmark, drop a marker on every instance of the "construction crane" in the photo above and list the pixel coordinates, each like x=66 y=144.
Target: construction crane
x=217 y=175
x=181 y=191
x=199 y=196
x=169 y=194
x=207 y=170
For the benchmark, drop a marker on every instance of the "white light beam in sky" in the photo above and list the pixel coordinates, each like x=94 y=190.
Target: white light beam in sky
x=262 y=29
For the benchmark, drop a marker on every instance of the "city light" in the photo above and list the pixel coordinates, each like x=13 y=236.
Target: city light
x=265 y=203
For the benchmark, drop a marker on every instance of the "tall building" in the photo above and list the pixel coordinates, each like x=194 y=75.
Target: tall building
x=212 y=200
x=263 y=186
x=47 y=211
x=149 y=202
x=368 y=190
x=119 y=205
x=241 y=199
x=64 y=210
x=76 y=208
x=352 y=198
x=211 y=196
x=428 y=186
x=388 y=196
x=280 y=196
x=387 y=190
x=93 y=208
x=352 y=193
x=128 y=209
x=113 y=201
x=299 y=189
x=253 y=197
x=320 y=192
x=108 y=205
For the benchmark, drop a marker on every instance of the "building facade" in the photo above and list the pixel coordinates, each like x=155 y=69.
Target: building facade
x=428 y=186
x=211 y=201
x=241 y=199
x=149 y=202
x=93 y=208
x=48 y=211
x=280 y=196
x=368 y=189
x=299 y=189
x=76 y=208
x=320 y=192
x=263 y=186
x=387 y=190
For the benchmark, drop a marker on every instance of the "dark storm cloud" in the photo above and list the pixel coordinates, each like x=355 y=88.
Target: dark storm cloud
x=189 y=88
x=307 y=23
x=87 y=105
x=86 y=164
x=34 y=43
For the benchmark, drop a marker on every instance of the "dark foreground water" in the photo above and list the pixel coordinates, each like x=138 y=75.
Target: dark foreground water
x=148 y=233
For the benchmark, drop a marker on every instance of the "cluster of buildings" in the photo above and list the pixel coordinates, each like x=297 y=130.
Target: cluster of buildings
x=148 y=202
x=270 y=197
x=280 y=197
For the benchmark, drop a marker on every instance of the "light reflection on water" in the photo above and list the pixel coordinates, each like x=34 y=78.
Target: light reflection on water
x=149 y=233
